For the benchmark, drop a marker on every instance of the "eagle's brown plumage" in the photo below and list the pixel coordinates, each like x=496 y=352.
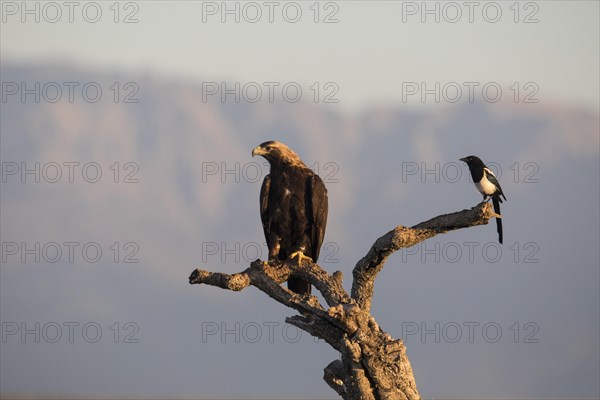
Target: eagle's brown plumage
x=293 y=208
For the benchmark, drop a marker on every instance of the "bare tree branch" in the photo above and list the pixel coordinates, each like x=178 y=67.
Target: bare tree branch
x=373 y=365
x=333 y=374
x=265 y=276
x=268 y=276
x=369 y=266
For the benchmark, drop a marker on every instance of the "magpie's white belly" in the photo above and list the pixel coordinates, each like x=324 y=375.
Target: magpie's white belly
x=485 y=187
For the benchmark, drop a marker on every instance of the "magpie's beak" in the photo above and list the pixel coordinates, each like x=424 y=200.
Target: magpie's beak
x=258 y=151
x=465 y=159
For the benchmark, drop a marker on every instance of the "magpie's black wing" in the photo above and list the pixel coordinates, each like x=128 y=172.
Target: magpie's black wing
x=492 y=178
x=496 y=200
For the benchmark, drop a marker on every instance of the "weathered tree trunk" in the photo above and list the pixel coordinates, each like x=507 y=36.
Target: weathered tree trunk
x=373 y=365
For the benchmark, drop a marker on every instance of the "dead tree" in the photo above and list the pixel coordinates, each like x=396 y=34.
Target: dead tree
x=373 y=365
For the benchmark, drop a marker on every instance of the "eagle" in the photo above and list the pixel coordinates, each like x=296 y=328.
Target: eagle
x=293 y=208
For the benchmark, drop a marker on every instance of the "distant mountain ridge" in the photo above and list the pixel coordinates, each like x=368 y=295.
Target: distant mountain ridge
x=177 y=175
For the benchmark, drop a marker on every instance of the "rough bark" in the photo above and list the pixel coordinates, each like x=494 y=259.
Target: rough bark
x=369 y=266
x=373 y=365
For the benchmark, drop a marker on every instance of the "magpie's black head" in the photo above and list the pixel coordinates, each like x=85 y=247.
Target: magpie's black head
x=473 y=161
x=277 y=153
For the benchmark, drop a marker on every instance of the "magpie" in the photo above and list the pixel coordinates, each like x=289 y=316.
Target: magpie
x=487 y=184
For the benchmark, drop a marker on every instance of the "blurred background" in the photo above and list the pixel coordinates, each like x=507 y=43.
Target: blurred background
x=126 y=132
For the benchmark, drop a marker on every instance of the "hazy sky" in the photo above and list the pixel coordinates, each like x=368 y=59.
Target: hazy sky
x=377 y=59
x=369 y=49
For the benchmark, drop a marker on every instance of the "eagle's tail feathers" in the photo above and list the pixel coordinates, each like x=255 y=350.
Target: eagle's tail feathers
x=298 y=285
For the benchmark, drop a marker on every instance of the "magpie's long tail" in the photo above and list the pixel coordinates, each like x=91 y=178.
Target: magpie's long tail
x=496 y=201
x=298 y=285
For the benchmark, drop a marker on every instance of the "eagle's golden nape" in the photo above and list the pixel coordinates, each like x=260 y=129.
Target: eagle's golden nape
x=293 y=208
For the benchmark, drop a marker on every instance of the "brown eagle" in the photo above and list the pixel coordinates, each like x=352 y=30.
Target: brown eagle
x=293 y=208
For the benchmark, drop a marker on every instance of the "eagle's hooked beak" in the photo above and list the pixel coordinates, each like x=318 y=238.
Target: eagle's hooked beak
x=258 y=151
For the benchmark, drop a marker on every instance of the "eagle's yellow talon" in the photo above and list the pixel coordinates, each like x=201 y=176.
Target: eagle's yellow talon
x=300 y=255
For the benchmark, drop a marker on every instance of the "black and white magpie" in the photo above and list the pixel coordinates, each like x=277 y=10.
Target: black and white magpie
x=487 y=184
